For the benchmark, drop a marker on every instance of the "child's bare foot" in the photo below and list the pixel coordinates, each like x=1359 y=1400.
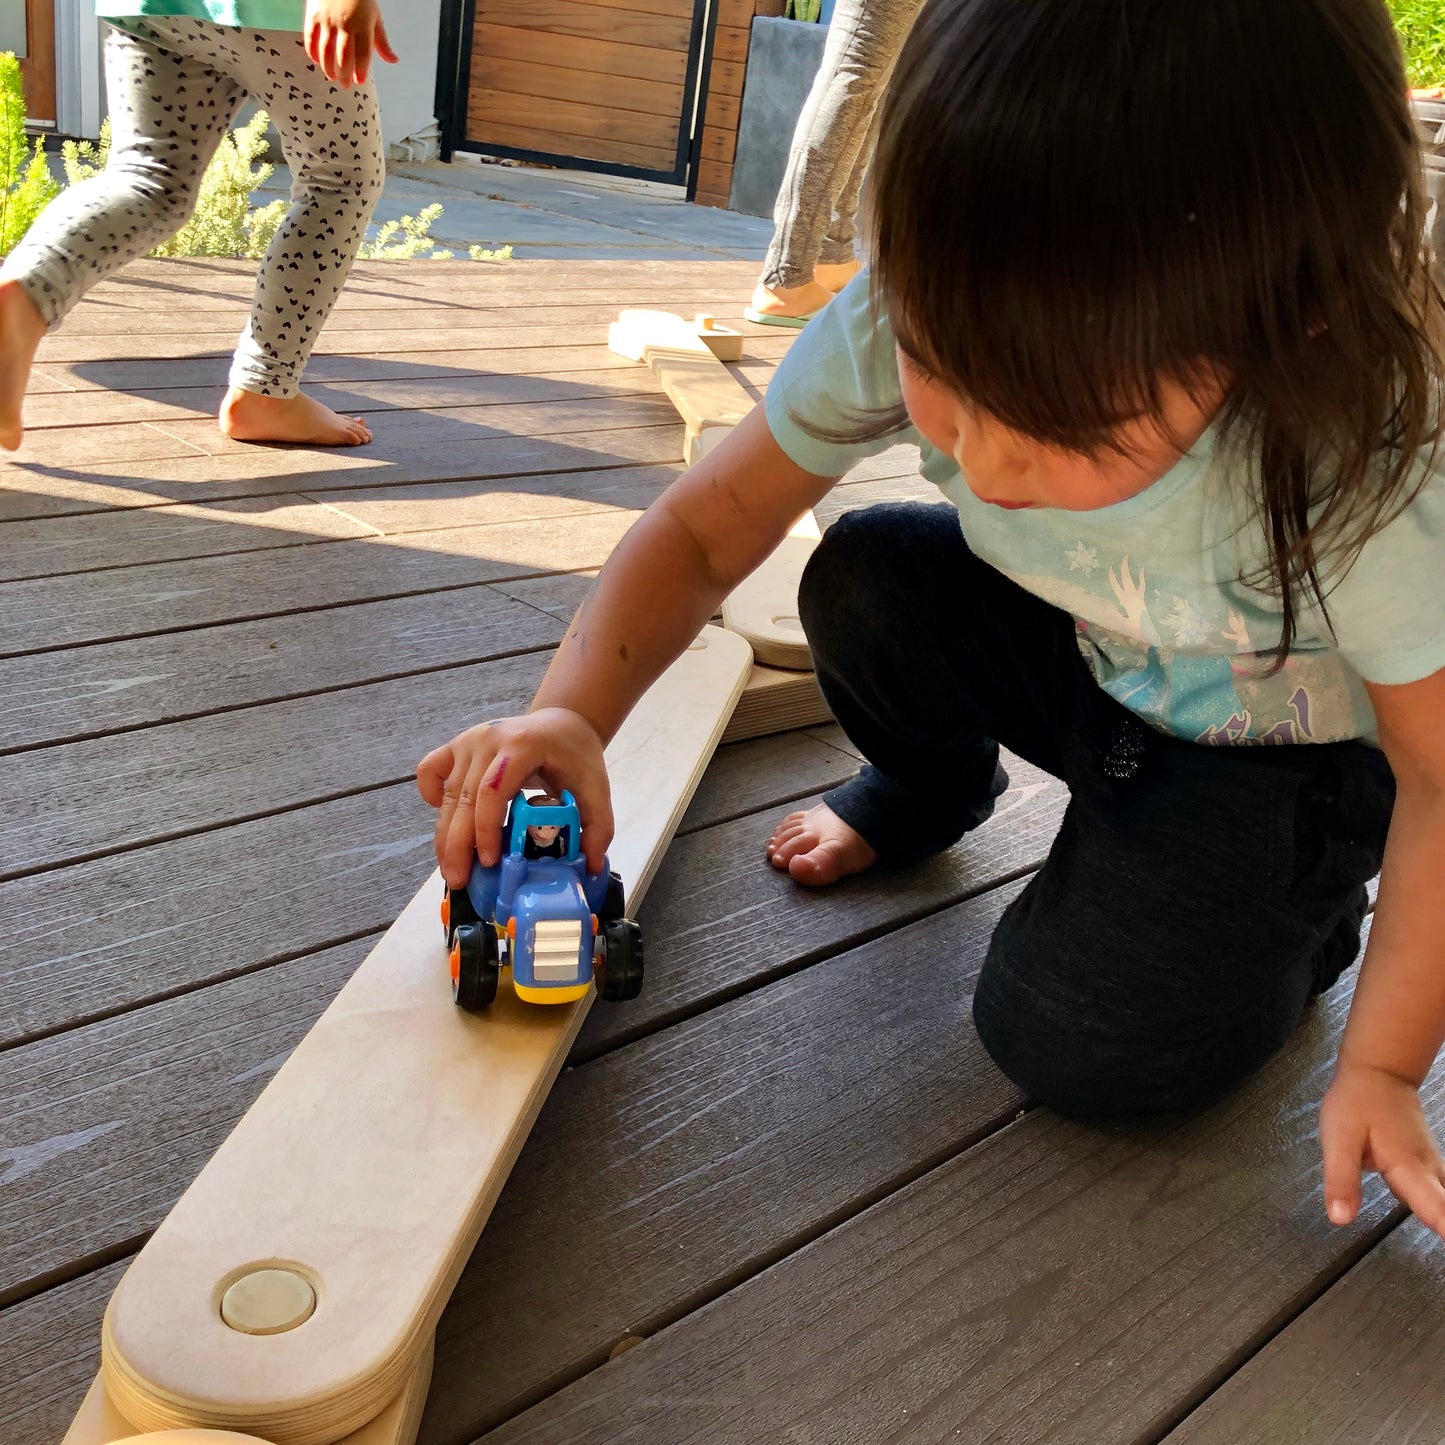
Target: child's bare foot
x=247 y=416
x=787 y=305
x=818 y=847
x=21 y=327
x=834 y=277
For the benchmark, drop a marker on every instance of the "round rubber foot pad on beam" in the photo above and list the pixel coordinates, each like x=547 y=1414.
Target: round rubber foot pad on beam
x=268 y=1302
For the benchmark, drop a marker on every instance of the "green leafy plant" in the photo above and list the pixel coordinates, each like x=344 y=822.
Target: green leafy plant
x=1421 y=26
x=224 y=223
x=28 y=186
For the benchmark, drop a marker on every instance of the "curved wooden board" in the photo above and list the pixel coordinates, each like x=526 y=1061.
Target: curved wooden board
x=763 y=607
x=370 y=1163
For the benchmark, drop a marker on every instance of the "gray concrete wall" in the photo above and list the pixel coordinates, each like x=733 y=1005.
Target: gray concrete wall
x=783 y=58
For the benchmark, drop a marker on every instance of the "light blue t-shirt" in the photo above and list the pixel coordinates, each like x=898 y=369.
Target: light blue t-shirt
x=252 y=14
x=1153 y=583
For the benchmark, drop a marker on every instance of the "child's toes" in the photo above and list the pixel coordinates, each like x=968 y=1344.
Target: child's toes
x=799 y=841
x=824 y=861
x=788 y=828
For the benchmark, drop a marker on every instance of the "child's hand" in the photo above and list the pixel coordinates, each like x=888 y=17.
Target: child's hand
x=471 y=780
x=1373 y=1120
x=342 y=36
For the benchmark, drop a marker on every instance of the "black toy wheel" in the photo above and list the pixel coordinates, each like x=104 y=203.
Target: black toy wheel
x=621 y=972
x=615 y=904
x=474 y=966
x=457 y=910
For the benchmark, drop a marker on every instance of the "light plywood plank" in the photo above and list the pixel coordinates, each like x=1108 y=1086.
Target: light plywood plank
x=85 y=799
x=57 y=697
x=116 y=1116
x=167 y=1359
x=764 y=606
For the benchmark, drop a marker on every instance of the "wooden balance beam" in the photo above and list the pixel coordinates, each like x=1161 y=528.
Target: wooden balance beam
x=292 y=1294
x=781 y=693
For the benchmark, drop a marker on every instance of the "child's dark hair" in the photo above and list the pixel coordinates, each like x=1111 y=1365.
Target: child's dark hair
x=1074 y=200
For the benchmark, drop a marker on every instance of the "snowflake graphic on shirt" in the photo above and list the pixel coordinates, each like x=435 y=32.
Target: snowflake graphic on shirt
x=1082 y=558
x=1187 y=622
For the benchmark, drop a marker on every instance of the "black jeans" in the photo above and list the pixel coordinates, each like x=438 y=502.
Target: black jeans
x=1195 y=899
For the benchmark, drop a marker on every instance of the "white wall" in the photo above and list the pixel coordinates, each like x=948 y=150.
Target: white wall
x=406 y=91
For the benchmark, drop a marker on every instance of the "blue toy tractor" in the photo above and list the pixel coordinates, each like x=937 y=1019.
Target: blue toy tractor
x=540 y=912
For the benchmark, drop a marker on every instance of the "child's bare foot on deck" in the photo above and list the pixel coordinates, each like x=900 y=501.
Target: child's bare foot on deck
x=21 y=327
x=246 y=416
x=818 y=847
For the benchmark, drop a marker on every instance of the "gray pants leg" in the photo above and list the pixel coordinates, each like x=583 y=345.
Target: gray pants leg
x=175 y=85
x=814 y=218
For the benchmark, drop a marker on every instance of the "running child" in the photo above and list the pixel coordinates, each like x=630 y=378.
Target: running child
x=1147 y=291
x=176 y=73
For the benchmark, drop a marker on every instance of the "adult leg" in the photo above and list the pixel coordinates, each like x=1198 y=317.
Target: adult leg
x=864 y=38
x=1183 y=920
x=168 y=113
x=331 y=137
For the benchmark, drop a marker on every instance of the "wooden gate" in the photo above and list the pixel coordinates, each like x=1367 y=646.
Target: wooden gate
x=603 y=85
x=29 y=29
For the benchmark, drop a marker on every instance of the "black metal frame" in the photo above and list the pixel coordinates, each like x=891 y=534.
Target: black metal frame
x=457 y=24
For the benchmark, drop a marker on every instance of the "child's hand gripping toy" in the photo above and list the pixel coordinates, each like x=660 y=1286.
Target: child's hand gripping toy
x=541 y=913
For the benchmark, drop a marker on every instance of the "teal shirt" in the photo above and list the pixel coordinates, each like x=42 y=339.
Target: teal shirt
x=1153 y=583
x=252 y=14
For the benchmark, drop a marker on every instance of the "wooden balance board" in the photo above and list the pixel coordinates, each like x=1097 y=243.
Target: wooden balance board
x=764 y=607
x=293 y=1292
x=706 y=394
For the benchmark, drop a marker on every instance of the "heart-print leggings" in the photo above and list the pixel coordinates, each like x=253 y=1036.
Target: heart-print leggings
x=175 y=86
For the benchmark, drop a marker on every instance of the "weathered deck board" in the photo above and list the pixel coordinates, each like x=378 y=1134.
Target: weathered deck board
x=266 y=471
x=161 y=373
x=77 y=1097
x=698 y=1156
x=111 y=1122
x=136 y=602
x=139 y=926
x=58 y=697
x=722 y=874
x=1361 y=1364
x=81 y=800
x=49 y=1353
x=740 y=1142
x=1060 y=1282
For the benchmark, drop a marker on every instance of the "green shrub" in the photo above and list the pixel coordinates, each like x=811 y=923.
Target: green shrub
x=25 y=175
x=1421 y=25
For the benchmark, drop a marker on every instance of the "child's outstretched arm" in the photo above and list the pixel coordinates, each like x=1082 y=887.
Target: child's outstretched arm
x=1372 y=1117
x=712 y=527
x=342 y=37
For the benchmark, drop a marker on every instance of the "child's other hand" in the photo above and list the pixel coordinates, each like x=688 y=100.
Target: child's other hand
x=1372 y=1119
x=342 y=36
x=471 y=780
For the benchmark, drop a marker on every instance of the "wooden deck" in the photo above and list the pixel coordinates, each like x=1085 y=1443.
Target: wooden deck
x=788 y=1174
